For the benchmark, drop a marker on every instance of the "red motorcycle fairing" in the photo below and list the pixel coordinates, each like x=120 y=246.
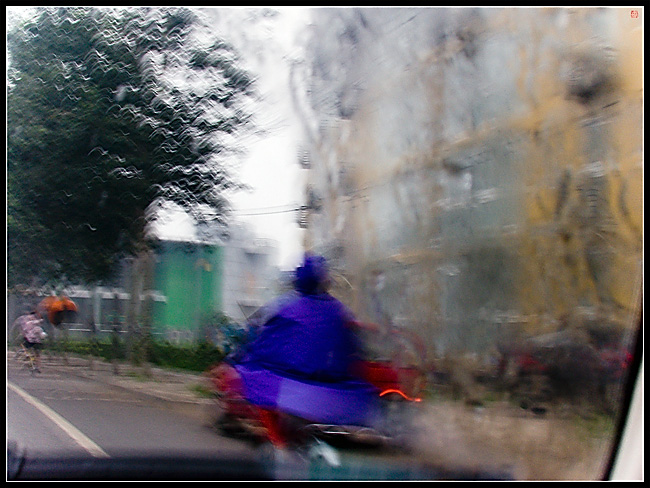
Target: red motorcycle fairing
x=237 y=415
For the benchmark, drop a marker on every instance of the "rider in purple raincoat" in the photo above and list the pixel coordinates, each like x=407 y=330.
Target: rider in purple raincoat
x=303 y=360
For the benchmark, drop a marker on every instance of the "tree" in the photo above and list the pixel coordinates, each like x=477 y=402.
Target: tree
x=110 y=115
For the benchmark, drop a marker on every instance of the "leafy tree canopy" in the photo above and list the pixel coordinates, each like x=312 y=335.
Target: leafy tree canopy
x=111 y=114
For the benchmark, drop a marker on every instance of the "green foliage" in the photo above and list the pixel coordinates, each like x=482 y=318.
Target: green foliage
x=196 y=357
x=217 y=328
x=103 y=349
x=214 y=319
x=111 y=113
x=193 y=357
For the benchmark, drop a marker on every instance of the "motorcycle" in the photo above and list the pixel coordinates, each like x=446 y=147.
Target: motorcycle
x=397 y=389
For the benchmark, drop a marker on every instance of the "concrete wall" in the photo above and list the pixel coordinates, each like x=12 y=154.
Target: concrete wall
x=250 y=277
x=478 y=172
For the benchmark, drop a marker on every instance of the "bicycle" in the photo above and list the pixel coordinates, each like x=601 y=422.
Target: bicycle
x=28 y=357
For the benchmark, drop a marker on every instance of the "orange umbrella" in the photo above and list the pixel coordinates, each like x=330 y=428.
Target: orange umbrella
x=57 y=309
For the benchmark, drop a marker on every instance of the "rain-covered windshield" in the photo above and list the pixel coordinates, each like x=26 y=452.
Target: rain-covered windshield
x=467 y=186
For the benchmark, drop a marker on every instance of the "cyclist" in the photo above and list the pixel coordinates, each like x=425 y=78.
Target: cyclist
x=33 y=335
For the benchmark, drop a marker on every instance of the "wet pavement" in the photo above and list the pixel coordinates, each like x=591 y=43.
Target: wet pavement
x=186 y=393
x=183 y=391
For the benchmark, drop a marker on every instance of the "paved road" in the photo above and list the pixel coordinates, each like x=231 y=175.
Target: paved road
x=90 y=413
x=56 y=412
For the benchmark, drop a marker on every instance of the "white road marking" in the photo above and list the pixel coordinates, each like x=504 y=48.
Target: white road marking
x=74 y=433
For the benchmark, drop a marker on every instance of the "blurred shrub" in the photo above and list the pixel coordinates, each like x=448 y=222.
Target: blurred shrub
x=192 y=357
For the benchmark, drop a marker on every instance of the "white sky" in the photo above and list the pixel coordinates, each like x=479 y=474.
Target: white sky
x=271 y=167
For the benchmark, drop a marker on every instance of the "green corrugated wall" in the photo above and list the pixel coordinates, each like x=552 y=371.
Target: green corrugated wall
x=189 y=275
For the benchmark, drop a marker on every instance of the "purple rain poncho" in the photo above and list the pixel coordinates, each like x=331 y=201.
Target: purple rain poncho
x=302 y=361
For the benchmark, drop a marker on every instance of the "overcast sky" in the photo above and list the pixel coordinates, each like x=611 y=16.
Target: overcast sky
x=268 y=46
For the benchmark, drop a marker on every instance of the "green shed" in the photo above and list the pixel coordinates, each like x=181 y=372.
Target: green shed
x=189 y=275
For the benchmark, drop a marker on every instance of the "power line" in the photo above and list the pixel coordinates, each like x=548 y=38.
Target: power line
x=265 y=212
